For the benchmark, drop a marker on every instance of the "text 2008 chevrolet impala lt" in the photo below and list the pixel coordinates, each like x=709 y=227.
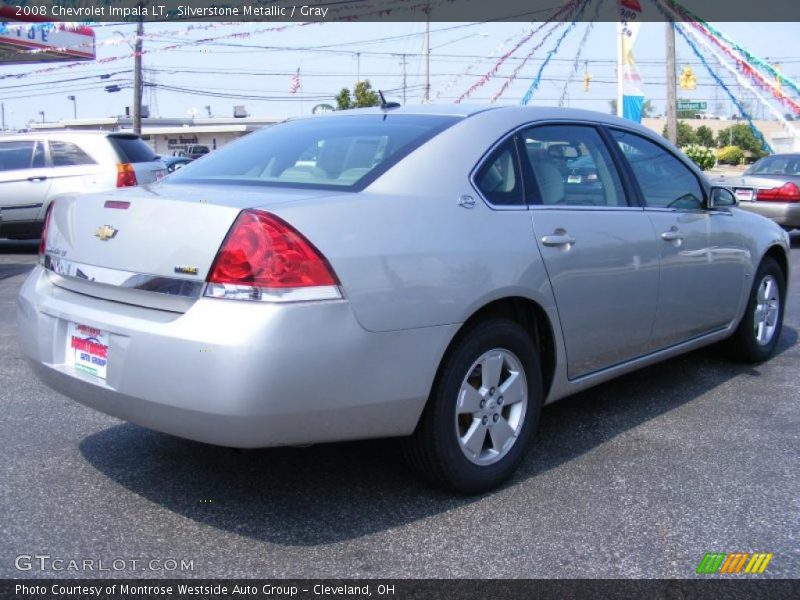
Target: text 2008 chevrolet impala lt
x=435 y=273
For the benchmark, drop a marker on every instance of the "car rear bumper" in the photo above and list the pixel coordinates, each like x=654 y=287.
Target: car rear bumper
x=233 y=373
x=783 y=213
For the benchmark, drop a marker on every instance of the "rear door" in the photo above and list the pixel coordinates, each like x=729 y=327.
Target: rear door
x=24 y=182
x=133 y=150
x=702 y=256
x=72 y=169
x=599 y=249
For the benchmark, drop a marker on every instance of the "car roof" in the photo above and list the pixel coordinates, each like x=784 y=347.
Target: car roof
x=524 y=113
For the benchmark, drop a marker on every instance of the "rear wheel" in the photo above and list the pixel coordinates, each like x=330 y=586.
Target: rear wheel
x=757 y=335
x=483 y=409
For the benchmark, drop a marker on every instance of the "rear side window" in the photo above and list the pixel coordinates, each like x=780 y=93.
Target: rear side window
x=664 y=180
x=67 y=154
x=132 y=149
x=17 y=155
x=499 y=178
x=572 y=166
x=337 y=152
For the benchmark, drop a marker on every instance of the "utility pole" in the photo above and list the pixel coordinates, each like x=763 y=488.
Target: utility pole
x=137 y=77
x=426 y=51
x=672 y=84
x=358 y=67
x=2 y=116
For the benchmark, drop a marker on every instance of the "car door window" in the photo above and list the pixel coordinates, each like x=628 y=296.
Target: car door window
x=499 y=178
x=571 y=166
x=16 y=155
x=67 y=154
x=664 y=180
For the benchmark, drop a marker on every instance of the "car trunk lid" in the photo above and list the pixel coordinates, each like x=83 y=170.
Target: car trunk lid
x=150 y=246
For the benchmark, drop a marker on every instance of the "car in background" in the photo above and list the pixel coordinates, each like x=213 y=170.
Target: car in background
x=771 y=188
x=193 y=151
x=423 y=272
x=37 y=167
x=174 y=163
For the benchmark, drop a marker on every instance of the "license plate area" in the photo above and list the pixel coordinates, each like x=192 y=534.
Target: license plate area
x=87 y=350
x=744 y=194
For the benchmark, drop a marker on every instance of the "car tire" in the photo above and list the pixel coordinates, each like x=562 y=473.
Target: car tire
x=757 y=335
x=440 y=448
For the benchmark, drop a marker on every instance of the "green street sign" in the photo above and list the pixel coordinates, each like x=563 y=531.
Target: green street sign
x=685 y=105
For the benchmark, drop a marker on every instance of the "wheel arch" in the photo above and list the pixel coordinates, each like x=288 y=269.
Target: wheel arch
x=530 y=316
x=779 y=254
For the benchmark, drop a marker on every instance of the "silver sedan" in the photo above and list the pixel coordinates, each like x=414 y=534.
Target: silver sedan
x=432 y=273
x=770 y=187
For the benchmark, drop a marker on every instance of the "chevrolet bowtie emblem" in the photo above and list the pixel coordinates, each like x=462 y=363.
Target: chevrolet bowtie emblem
x=105 y=233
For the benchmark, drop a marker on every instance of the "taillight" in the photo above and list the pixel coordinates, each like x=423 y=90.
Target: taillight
x=45 y=225
x=126 y=175
x=265 y=258
x=788 y=192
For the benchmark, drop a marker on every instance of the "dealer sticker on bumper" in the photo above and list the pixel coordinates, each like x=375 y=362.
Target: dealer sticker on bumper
x=87 y=349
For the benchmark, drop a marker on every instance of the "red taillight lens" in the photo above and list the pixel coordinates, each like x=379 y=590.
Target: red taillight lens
x=263 y=253
x=45 y=225
x=788 y=192
x=126 y=175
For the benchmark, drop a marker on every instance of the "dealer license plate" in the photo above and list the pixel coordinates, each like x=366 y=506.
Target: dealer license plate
x=87 y=349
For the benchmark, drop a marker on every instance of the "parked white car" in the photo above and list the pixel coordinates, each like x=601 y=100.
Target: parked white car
x=37 y=167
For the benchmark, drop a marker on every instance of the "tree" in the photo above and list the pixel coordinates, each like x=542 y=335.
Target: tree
x=363 y=96
x=741 y=135
x=705 y=137
x=648 y=110
x=686 y=135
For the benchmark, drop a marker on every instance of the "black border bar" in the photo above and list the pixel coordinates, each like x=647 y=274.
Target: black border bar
x=732 y=588
x=284 y=11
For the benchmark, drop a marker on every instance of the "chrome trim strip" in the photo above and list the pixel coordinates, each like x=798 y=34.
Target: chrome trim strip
x=172 y=286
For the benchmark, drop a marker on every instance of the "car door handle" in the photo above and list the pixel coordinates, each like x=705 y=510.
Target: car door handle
x=39 y=178
x=672 y=235
x=558 y=238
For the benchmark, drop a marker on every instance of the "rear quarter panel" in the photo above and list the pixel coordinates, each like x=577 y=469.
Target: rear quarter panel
x=408 y=255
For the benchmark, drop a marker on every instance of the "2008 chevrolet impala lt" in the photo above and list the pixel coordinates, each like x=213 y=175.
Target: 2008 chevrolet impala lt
x=435 y=273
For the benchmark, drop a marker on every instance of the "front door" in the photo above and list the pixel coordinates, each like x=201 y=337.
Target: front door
x=702 y=263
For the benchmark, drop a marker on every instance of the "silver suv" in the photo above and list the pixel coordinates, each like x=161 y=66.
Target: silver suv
x=37 y=167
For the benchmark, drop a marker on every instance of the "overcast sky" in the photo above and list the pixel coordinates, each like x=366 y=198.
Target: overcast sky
x=326 y=55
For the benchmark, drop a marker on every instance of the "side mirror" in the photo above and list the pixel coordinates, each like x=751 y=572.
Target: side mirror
x=721 y=197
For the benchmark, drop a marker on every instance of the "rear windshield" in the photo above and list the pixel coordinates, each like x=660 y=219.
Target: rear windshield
x=132 y=149
x=788 y=164
x=337 y=152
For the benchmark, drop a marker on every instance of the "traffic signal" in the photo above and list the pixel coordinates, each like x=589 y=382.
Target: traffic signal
x=688 y=81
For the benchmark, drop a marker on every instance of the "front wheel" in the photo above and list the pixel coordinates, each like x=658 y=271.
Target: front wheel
x=483 y=409
x=757 y=335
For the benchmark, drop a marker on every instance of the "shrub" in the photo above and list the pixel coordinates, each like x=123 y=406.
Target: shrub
x=702 y=156
x=730 y=155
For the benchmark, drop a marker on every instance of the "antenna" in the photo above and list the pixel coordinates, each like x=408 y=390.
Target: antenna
x=387 y=105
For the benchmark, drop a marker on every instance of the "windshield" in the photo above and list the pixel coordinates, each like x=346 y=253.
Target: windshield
x=339 y=152
x=776 y=165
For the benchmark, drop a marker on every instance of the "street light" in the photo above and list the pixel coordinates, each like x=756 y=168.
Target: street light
x=41 y=112
x=74 y=106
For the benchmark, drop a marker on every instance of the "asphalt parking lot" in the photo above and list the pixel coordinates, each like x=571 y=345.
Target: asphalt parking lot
x=639 y=477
